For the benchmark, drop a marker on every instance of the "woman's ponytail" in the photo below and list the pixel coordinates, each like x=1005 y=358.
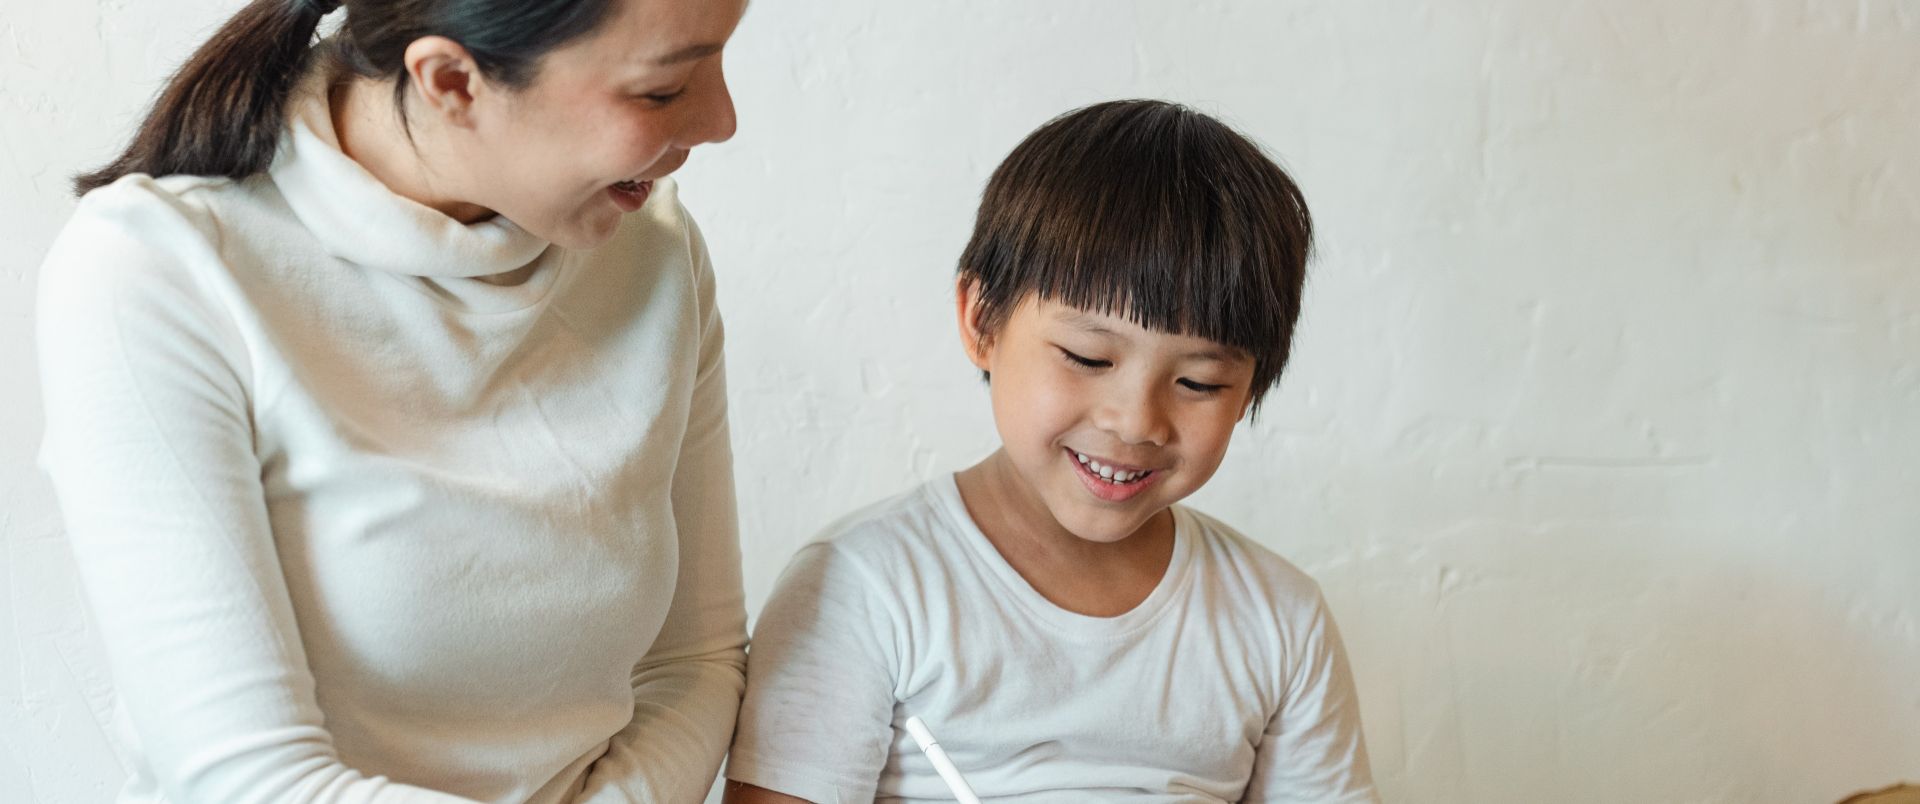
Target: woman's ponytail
x=221 y=113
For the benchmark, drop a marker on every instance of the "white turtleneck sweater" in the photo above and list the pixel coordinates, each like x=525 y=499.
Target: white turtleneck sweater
x=357 y=526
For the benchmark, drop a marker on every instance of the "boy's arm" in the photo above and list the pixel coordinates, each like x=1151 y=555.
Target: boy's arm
x=1312 y=750
x=817 y=721
x=742 y=793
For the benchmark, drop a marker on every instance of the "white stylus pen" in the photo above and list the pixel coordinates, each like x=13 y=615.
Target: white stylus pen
x=938 y=756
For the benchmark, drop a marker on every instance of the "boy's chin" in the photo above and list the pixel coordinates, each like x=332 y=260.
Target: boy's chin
x=1105 y=527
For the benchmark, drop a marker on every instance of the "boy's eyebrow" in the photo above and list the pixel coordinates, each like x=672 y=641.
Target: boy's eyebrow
x=1216 y=355
x=1083 y=321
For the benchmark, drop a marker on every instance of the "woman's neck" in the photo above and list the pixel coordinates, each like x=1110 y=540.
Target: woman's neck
x=371 y=133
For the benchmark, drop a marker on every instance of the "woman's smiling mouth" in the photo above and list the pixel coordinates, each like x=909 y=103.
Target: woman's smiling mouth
x=630 y=194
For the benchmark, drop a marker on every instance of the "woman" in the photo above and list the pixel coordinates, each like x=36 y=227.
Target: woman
x=385 y=407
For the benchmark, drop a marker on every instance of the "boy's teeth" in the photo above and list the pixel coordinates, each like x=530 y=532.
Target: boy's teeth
x=1109 y=473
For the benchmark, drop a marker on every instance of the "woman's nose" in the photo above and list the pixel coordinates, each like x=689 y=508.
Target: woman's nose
x=714 y=121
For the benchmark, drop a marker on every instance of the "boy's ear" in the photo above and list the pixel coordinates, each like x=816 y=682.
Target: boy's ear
x=966 y=295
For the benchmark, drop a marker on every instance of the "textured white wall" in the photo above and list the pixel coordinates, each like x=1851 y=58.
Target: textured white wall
x=1603 y=432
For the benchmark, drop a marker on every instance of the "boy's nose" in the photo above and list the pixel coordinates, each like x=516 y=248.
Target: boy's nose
x=1137 y=418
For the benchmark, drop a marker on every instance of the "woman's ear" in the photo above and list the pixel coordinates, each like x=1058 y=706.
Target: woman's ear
x=445 y=78
x=977 y=343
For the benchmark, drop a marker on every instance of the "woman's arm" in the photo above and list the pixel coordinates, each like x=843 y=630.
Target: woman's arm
x=149 y=443
x=687 y=691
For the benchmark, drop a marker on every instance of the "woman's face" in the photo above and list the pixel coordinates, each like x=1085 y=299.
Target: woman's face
x=568 y=155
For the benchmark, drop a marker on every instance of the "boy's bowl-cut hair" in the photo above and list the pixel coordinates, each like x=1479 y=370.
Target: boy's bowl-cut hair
x=1153 y=211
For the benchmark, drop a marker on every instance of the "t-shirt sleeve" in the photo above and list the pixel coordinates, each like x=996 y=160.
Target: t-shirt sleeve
x=1312 y=750
x=818 y=717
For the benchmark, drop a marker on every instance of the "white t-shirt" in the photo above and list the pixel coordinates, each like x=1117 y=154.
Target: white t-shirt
x=1227 y=683
x=357 y=525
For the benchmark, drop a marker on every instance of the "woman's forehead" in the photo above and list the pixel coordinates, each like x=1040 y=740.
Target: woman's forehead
x=666 y=33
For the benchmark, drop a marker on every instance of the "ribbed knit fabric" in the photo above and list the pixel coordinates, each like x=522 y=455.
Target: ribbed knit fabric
x=357 y=526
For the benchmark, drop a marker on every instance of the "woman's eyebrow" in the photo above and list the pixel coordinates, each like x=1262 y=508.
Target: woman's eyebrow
x=688 y=53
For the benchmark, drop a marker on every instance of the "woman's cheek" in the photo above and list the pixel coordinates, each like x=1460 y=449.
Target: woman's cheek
x=646 y=137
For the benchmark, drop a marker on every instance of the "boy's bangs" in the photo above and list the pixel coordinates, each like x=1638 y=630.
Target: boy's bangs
x=1165 y=255
x=1152 y=212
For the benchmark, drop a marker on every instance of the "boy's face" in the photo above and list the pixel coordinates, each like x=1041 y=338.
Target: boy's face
x=1105 y=422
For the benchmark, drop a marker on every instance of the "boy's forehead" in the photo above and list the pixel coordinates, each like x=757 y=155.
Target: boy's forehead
x=1108 y=324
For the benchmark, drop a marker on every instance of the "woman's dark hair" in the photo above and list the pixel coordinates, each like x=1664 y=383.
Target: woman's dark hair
x=222 y=113
x=1153 y=211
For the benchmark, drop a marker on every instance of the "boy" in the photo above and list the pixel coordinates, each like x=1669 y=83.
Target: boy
x=1067 y=631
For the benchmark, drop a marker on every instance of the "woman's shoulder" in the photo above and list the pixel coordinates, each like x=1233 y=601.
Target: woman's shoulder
x=137 y=195
x=136 y=246
x=142 y=223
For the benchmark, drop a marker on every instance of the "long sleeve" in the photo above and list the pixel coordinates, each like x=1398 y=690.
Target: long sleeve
x=150 y=447
x=1313 y=750
x=687 y=690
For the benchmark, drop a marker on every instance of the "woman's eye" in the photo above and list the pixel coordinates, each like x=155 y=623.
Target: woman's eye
x=1202 y=387
x=663 y=98
x=1085 y=362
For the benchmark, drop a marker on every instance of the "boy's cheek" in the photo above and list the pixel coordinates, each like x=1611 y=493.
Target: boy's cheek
x=1215 y=452
x=1054 y=406
x=1035 y=390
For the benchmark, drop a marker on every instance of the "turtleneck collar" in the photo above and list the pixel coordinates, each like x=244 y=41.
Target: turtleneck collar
x=359 y=220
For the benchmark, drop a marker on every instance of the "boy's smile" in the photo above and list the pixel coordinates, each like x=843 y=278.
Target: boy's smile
x=1103 y=423
x=1109 y=480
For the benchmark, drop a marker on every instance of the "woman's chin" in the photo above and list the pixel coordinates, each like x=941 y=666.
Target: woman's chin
x=587 y=229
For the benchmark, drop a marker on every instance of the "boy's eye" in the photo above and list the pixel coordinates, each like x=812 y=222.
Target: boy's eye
x=1201 y=387
x=1085 y=362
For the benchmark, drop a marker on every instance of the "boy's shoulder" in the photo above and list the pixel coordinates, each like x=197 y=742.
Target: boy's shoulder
x=1239 y=562
x=914 y=528
x=911 y=512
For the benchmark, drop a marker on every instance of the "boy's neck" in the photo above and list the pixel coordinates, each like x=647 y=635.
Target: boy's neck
x=1097 y=579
